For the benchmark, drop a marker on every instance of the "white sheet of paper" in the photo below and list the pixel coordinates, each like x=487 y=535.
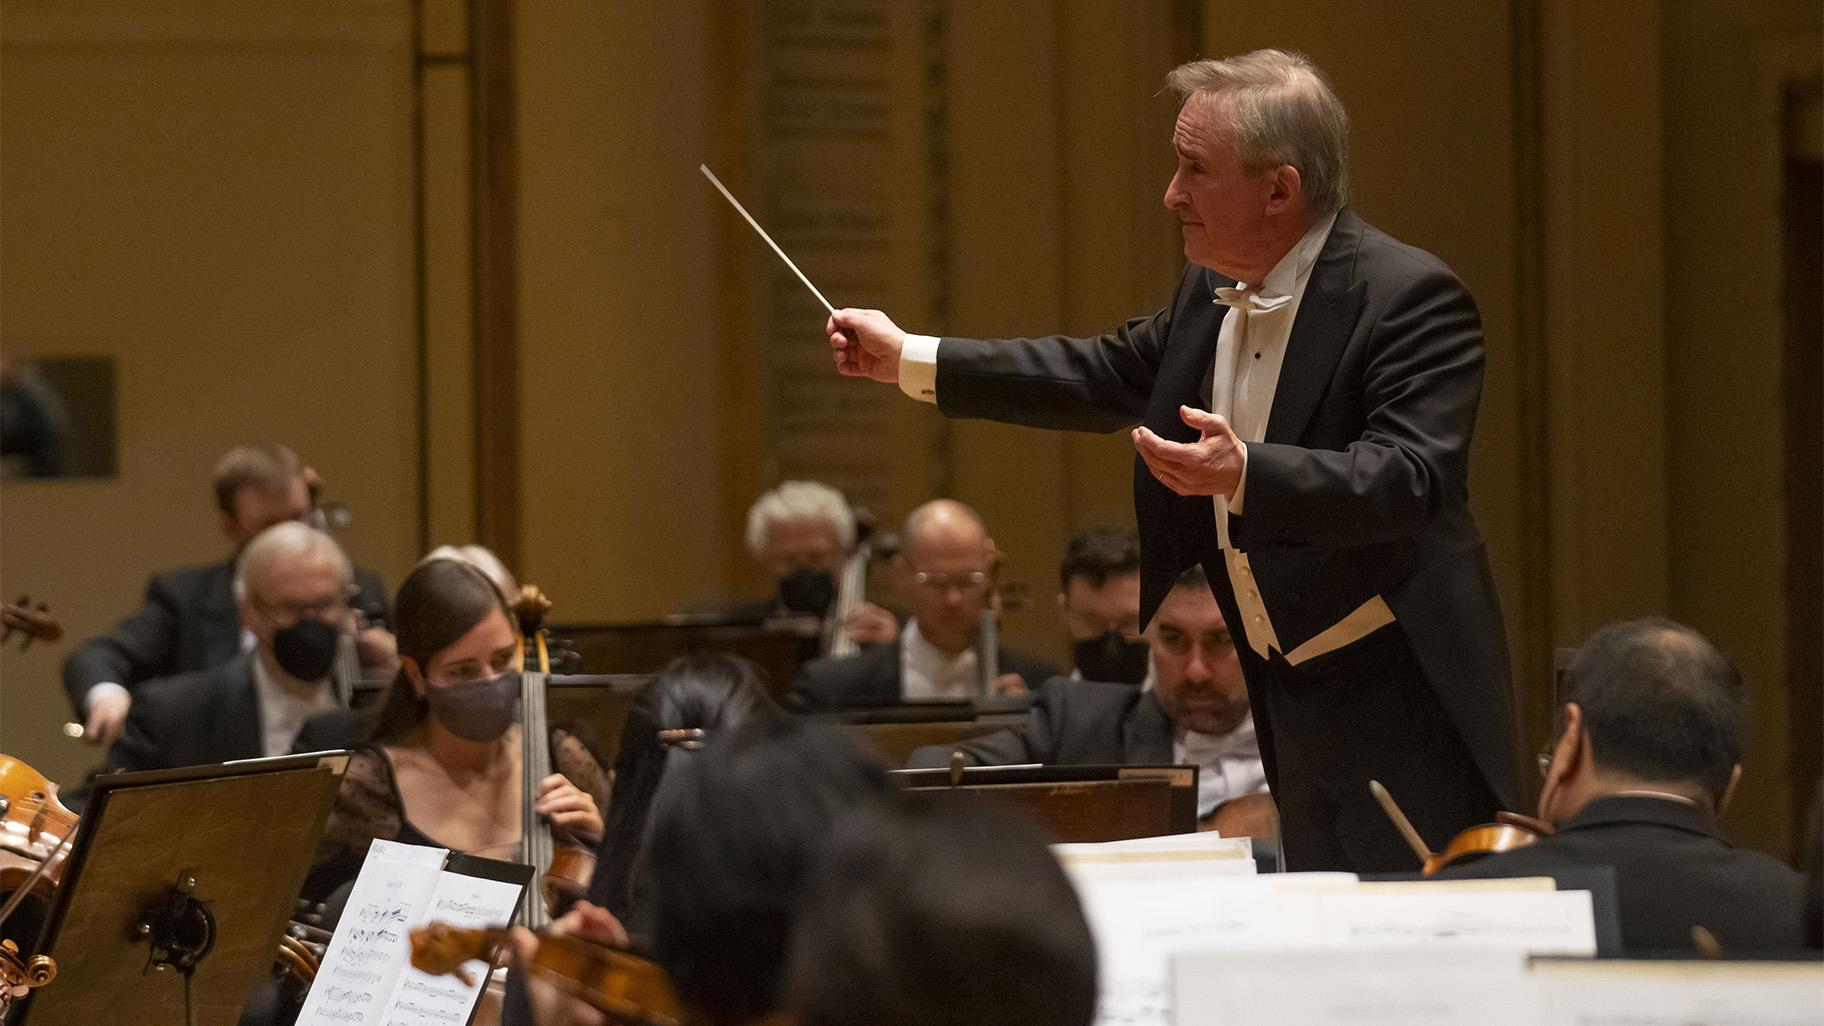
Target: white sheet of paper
x=1140 y=925
x=1555 y=923
x=1159 y=858
x=1376 y=987
x=463 y=901
x=1680 y=993
x=361 y=966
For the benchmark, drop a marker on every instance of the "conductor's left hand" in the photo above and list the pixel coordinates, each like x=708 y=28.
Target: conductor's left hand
x=1212 y=465
x=865 y=344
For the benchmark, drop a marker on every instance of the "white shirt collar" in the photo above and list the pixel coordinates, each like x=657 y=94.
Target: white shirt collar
x=929 y=673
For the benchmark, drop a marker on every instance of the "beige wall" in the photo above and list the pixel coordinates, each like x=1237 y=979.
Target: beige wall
x=218 y=196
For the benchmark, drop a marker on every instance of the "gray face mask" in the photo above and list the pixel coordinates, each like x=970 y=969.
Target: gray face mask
x=476 y=710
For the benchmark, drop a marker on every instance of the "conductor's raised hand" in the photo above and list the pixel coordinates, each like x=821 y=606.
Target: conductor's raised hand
x=865 y=344
x=1211 y=465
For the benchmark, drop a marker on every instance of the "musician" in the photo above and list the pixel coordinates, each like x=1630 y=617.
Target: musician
x=1307 y=401
x=992 y=932
x=1099 y=598
x=1195 y=712
x=189 y=620
x=943 y=573
x=801 y=534
x=291 y=589
x=444 y=765
x=681 y=711
x=1649 y=751
x=734 y=834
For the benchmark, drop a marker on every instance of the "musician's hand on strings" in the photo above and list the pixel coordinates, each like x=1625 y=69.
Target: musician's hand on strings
x=1212 y=465
x=871 y=625
x=107 y=717
x=591 y=923
x=865 y=344
x=568 y=806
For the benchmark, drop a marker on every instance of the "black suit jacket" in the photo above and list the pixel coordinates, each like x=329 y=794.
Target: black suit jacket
x=1360 y=487
x=872 y=677
x=1673 y=871
x=1072 y=723
x=192 y=719
x=188 y=623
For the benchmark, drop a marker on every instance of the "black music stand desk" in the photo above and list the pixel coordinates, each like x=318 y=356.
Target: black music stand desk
x=197 y=869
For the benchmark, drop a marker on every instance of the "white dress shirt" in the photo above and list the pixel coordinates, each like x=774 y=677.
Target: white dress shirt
x=1250 y=350
x=1228 y=764
x=929 y=674
x=284 y=708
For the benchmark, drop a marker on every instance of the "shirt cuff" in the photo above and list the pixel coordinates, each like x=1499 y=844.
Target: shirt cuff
x=918 y=368
x=106 y=687
x=1241 y=483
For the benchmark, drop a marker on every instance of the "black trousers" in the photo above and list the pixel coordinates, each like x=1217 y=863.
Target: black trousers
x=1331 y=724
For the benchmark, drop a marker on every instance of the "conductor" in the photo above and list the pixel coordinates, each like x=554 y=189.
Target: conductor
x=1305 y=405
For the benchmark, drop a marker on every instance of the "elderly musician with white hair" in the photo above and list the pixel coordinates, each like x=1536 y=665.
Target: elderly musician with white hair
x=802 y=535
x=292 y=584
x=1304 y=407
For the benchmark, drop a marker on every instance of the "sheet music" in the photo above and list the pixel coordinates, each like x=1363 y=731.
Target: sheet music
x=1141 y=925
x=1612 y=993
x=463 y=901
x=371 y=944
x=1378 y=987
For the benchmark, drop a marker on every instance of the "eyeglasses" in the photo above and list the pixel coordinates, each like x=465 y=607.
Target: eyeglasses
x=975 y=580
x=690 y=740
x=287 y=613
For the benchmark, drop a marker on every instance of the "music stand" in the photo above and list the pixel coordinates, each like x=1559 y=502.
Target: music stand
x=194 y=869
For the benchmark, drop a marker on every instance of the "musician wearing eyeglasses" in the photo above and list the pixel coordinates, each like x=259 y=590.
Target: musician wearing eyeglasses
x=292 y=586
x=943 y=573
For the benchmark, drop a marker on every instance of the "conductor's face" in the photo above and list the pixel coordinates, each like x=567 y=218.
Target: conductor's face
x=1224 y=209
x=1195 y=669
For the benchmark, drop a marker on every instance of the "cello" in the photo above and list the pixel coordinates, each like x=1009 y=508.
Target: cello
x=564 y=869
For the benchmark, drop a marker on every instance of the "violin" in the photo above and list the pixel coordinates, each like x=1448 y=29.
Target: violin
x=628 y=989
x=1509 y=831
x=35 y=834
x=567 y=868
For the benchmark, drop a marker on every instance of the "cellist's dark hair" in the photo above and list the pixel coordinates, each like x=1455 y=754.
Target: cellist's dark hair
x=734 y=834
x=438 y=603
x=714 y=693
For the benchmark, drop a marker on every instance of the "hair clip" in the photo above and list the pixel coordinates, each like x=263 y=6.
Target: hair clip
x=689 y=740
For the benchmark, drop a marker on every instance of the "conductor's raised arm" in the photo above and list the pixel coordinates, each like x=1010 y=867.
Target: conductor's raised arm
x=866 y=344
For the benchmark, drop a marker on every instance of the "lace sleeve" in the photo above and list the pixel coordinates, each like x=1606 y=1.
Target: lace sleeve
x=574 y=759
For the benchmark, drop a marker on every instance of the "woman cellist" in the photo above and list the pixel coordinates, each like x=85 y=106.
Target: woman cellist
x=443 y=765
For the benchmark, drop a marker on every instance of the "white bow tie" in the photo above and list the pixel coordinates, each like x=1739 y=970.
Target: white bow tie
x=1249 y=301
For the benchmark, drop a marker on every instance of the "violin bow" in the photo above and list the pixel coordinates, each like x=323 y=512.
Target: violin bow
x=1400 y=822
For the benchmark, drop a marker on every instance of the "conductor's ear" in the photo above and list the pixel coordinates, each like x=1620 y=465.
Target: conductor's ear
x=1288 y=190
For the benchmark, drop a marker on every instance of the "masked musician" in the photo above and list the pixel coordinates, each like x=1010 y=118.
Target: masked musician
x=1649 y=751
x=1099 y=598
x=189 y=621
x=802 y=535
x=291 y=591
x=444 y=765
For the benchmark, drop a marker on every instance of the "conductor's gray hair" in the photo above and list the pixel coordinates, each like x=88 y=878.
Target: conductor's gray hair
x=795 y=499
x=290 y=539
x=1280 y=110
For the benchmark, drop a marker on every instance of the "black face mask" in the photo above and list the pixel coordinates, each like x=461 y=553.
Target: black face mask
x=1111 y=658
x=807 y=591
x=306 y=649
